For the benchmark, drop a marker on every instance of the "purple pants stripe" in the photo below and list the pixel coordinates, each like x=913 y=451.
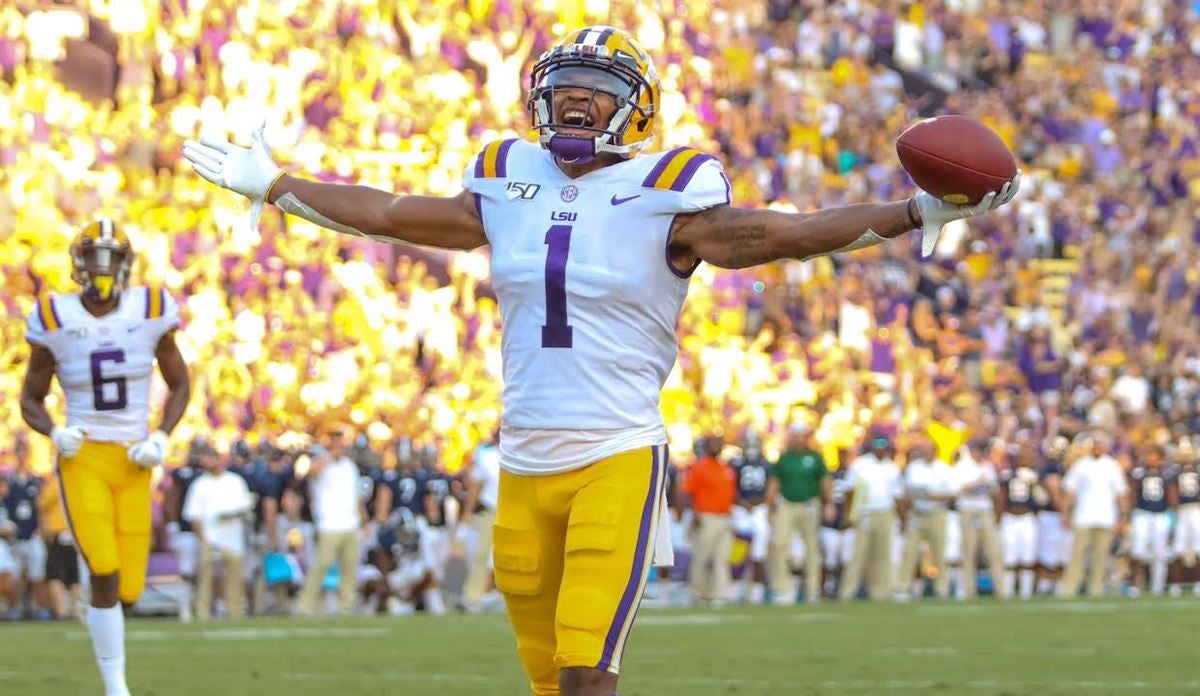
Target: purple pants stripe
x=162 y=301
x=147 y=301
x=689 y=170
x=42 y=317
x=640 y=557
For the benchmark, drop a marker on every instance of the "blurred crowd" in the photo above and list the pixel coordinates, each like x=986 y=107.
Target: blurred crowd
x=1077 y=308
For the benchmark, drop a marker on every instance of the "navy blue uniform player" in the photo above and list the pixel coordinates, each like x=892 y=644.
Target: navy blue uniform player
x=28 y=550
x=1186 y=546
x=750 y=516
x=1054 y=541
x=1154 y=493
x=1018 y=523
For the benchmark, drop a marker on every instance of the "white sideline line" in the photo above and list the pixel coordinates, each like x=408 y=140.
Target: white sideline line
x=241 y=634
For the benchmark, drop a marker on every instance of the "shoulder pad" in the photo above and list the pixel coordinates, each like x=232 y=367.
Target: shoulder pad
x=492 y=161
x=675 y=169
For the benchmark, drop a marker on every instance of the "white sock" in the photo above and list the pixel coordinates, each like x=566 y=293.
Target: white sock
x=1158 y=577
x=433 y=601
x=1010 y=581
x=1045 y=586
x=1028 y=577
x=757 y=592
x=956 y=580
x=107 y=628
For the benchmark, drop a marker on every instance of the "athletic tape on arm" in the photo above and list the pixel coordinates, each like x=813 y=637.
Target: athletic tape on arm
x=288 y=203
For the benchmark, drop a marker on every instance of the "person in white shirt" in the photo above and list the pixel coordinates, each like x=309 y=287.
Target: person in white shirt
x=218 y=506
x=1132 y=390
x=876 y=484
x=339 y=514
x=929 y=486
x=1096 y=503
x=483 y=489
x=976 y=484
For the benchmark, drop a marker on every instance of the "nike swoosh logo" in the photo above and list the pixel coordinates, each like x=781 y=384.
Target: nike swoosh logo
x=619 y=201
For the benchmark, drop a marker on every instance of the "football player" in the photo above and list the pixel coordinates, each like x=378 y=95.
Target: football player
x=1053 y=540
x=1153 y=493
x=102 y=344
x=1187 y=521
x=592 y=248
x=1018 y=522
x=179 y=531
x=750 y=513
x=435 y=541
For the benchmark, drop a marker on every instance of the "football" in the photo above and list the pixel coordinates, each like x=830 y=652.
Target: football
x=955 y=158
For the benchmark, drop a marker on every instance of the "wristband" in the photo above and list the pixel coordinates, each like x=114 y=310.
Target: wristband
x=912 y=219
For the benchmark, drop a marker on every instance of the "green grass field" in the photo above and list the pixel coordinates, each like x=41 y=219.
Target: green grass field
x=981 y=649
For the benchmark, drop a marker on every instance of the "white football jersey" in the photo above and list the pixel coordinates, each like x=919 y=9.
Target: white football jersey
x=587 y=295
x=105 y=363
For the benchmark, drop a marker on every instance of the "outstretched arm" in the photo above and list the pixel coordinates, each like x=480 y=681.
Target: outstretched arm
x=449 y=223
x=739 y=237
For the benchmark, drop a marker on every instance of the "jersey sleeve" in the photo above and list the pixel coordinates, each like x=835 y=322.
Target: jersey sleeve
x=161 y=310
x=491 y=164
x=697 y=179
x=43 y=322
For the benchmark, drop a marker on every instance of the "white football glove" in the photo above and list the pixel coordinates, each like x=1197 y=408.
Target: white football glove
x=250 y=171
x=936 y=212
x=68 y=439
x=150 y=452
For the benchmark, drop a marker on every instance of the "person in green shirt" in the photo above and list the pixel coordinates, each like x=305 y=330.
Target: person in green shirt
x=798 y=491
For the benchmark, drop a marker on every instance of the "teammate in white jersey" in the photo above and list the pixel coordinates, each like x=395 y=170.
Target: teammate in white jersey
x=102 y=344
x=592 y=247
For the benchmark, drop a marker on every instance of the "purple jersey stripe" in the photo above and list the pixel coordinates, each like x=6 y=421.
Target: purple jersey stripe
x=42 y=317
x=502 y=157
x=147 y=301
x=659 y=168
x=54 y=311
x=479 y=163
x=162 y=302
x=689 y=170
x=635 y=574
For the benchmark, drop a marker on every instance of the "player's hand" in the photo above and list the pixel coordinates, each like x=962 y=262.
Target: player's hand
x=250 y=171
x=150 y=452
x=936 y=212
x=68 y=439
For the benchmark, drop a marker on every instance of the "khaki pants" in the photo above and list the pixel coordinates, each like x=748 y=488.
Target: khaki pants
x=872 y=553
x=789 y=519
x=341 y=547
x=711 y=546
x=979 y=527
x=477 y=576
x=1093 y=542
x=927 y=526
x=233 y=585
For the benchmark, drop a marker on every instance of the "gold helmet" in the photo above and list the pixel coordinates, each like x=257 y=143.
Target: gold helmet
x=602 y=59
x=101 y=256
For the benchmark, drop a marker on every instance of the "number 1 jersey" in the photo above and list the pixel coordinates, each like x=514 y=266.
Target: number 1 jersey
x=105 y=363
x=587 y=295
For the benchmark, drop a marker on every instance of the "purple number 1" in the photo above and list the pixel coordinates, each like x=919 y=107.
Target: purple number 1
x=556 y=333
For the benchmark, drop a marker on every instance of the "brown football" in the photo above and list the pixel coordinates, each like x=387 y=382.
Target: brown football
x=955 y=158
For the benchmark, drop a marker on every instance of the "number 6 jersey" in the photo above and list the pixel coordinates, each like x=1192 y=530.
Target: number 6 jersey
x=588 y=298
x=105 y=363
